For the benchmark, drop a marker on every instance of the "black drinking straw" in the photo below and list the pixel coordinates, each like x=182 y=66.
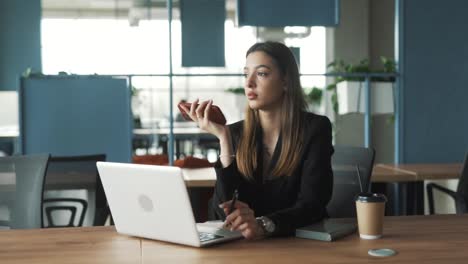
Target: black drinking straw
x=359 y=178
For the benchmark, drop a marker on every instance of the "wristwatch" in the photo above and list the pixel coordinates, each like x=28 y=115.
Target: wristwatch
x=266 y=224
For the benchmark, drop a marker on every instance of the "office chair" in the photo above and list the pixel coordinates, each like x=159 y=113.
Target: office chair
x=460 y=196
x=72 y=173
x=21 y=188
x=345 y=162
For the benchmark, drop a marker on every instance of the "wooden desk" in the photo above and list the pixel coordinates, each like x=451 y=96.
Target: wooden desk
x=432 y=171
x=412 y=192
x=407 y=192
x=68 y=245
x=206 y=177
x=382 y=173
x=417 y=239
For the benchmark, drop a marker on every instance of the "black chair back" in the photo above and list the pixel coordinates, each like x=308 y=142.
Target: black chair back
x=461 y=204
x=21 y=186
x=72 y=173
x=345 y=164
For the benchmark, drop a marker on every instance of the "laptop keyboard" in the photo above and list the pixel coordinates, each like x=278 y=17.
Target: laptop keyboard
x=207 y=236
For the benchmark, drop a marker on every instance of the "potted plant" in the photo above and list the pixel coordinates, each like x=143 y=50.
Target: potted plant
x=313 y=98
x=136 y=105
x=348 y=93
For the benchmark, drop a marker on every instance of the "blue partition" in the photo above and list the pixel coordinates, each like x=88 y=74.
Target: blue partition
x=435 y=94
x=20 y=40
x=203 y=32
x=280 y=13
x=76 y=115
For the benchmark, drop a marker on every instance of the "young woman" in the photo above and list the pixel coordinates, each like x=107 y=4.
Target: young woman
x=278 y=158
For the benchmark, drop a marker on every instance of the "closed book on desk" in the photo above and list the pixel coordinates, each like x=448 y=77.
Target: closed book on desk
x=328 y=229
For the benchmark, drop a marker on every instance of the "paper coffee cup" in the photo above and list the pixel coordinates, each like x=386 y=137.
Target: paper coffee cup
x=370 y=208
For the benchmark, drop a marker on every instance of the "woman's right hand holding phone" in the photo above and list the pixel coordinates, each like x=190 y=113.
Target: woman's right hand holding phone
x=200 y=113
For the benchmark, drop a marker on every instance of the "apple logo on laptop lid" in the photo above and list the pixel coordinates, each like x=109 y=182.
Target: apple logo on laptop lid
x=145 y=202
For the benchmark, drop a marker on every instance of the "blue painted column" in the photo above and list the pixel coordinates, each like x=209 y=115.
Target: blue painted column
x=20 y=40
x=367 y=113
x=171 y=88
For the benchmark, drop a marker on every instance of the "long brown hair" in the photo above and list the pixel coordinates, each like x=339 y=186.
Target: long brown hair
x=294 y=106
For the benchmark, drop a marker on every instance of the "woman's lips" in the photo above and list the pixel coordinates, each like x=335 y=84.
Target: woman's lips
x=252 y=95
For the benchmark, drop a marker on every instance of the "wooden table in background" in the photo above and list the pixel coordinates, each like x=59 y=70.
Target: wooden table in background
x=407 y=181
x=417 y=239
x=412 y=191
x=428 y=171
x=382 y=173
x=206 y=177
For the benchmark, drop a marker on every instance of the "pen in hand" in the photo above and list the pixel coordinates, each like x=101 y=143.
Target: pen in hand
x=235 y=196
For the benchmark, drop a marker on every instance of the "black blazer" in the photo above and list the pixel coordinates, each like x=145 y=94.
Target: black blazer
x=290 y=201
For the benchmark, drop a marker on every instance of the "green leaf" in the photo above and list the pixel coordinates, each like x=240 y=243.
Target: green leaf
x=315 y=96
x=363 y=66
x=331 y=87
x=236 y=90
x=334 y=100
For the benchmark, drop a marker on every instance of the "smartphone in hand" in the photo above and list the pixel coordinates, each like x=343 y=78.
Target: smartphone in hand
x=215 y=113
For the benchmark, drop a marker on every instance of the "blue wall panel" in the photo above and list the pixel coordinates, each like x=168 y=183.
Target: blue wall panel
x=20 y=40
x=68 y=116
x=280 y=13
x=203 y=32
x=435 y=95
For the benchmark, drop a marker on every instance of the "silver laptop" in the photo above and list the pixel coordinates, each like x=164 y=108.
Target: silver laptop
x=152 y=202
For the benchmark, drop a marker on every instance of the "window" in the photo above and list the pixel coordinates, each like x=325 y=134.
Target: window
x=110 y=46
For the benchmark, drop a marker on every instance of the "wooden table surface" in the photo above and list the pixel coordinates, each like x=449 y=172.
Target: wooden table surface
x=382 y=173
x=389 y=173
x=417 y=239
x=434 y=171
x=206 y=177
x=68 y=245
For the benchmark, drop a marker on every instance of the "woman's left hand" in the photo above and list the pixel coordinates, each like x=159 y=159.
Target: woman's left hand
x=242 y=219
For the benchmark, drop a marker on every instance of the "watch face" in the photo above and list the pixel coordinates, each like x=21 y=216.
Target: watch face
x=268 y=225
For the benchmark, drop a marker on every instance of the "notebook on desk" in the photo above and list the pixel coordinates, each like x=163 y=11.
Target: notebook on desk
x=152 y=202
x=328 y=230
